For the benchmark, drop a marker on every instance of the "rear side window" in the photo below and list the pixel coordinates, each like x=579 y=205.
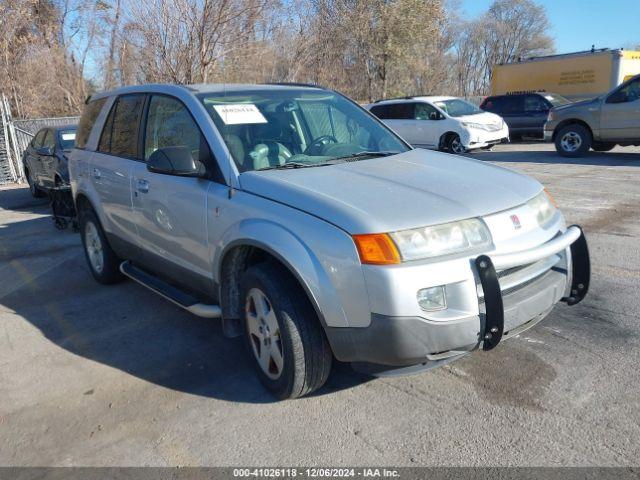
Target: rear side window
x=493 y=104
x=380 y=111
x=509 y=104
x=395 y=111
x=89 y=115
x=401 y=111
x=120 y=132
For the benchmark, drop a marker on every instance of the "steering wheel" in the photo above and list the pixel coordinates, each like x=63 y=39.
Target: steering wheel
x=319 y=143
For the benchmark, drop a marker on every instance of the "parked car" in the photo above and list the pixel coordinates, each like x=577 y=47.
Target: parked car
x=601 y=124
x=442 y=123
x=313 y=230
x=45 y=159
x=525 y=113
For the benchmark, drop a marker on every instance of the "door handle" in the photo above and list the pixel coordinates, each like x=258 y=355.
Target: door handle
x=97 y=173
x=142 y=186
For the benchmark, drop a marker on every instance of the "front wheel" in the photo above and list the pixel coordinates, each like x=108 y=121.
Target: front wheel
x=454 y=145
x=573 y=141
x=33 y=188
x=283 y=334
x=103 y=262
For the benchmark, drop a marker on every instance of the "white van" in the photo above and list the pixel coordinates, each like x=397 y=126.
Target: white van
x=441 y=123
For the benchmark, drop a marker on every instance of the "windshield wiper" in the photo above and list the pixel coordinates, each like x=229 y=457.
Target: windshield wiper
x=352 y=157
x=285 y=166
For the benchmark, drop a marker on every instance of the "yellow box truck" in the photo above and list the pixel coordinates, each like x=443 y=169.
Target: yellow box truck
x=573 y=75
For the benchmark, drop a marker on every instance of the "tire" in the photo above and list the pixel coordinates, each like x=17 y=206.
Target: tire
x=573 y=141
x=33 y=188
x=282 y=328
x=454 y=145
x=603 y=146
x=102 y=260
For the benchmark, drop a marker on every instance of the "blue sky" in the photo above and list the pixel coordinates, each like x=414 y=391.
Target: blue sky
x=578 y=24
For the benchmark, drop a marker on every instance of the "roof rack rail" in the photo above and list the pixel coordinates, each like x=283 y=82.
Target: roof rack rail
x=524 y=92
x=295 y=84
x=406 y=97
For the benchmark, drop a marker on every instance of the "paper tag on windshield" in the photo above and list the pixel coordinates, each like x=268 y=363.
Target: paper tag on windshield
x=68 y=136
x=240 y=114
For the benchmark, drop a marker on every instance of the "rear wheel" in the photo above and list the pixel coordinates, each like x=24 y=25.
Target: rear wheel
x=573 y=141
x=103 y=262
x=283 y=334
x=603 y=146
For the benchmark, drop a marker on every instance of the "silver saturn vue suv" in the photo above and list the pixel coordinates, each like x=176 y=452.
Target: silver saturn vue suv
x=313 y=230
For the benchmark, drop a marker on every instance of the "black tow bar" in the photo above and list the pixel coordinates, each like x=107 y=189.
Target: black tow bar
x=580 y=270
x=492 y=328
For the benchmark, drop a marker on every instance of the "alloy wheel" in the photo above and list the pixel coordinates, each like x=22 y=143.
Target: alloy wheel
x=264 y=333
x=93 y=244
x=457 y=147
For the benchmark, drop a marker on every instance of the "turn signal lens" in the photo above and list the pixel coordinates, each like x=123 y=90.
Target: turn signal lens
x=377 y=249
x=551 y=199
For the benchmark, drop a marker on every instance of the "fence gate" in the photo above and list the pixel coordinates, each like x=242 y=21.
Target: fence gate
x=15 y=136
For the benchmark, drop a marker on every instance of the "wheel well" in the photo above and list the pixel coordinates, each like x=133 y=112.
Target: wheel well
x=235 y=262
x=444 y=139
x=82 y=203
x=571 y=121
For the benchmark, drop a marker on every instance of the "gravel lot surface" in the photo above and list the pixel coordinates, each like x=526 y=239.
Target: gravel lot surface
x=102 y=376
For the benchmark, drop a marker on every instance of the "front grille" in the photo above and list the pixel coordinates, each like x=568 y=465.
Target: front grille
x=516 y=278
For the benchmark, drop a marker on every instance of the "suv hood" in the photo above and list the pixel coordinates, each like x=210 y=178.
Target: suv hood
x=412 y=189
x=581 y=103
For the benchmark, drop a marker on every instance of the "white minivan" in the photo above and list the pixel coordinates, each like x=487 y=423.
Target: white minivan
x=441 y=123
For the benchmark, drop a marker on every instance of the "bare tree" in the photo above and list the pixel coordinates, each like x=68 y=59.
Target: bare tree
x=187 y=41
x=109 y=80
x=508 y=31
x=36 y=70
x=365 y=48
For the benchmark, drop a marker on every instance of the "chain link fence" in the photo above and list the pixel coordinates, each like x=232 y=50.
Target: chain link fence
x=15 y=136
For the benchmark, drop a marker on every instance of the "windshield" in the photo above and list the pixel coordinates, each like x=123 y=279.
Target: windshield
x=296 y=127
x=556 y=100
x=67 y=139
x=457 y=108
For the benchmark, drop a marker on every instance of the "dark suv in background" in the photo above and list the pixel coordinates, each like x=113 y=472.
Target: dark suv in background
x=525 y=113
x=45 y=159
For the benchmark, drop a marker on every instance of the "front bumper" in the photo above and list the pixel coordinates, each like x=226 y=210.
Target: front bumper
x=476 y=138
x=501 y=311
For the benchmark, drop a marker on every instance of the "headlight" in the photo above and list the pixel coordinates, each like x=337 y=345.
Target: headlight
x=477 y=126
x=543 y=206
x=551 y=116
x=442 y=239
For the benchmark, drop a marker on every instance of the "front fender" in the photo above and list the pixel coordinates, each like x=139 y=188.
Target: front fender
x=317 y=270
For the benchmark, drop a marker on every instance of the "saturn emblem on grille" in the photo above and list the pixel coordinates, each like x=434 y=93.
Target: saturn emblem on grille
x=516 y=222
